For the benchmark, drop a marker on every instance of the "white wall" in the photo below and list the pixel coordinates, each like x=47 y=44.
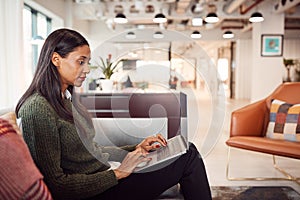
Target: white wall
x=98 y=33
x=243 y=69
x=266 y=72
x=291 y=49
x=11 y=52
x=12 y=84
x=57 y=7
x=54 y=9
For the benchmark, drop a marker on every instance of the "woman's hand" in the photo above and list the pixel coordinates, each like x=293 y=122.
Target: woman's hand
x=150 y=143
x=137 y=156
x=130 y=162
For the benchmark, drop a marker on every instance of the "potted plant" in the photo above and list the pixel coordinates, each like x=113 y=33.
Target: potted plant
x=107 y=68
x=288 y=63
x=297 y=70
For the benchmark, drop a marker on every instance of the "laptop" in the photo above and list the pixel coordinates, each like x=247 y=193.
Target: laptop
x=176 y=147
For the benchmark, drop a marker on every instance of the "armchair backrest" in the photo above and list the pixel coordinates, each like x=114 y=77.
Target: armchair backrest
x=288 y=92
x=253 y=119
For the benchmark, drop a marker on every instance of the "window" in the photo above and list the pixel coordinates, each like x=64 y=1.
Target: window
x=223 y=69
x=36 y=27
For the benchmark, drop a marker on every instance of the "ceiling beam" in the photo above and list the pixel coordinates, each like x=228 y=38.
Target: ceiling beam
x=245 y=10
x=182 y=5
x=233 y=5
x=282 y=6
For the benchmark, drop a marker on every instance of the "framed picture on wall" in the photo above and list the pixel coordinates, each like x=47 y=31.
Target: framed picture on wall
x=271 y=45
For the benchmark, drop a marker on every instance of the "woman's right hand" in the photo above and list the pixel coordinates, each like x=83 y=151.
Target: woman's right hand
x=130 y=162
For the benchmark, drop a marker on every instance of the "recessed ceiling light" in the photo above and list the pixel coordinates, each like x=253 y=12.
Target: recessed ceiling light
x=84 y=1
x=197 y=21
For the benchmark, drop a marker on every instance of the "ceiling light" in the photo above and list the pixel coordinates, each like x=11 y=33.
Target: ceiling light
x=158 y=35
x=197 y=21
x=130 y=35
x=160 y=18
x=197 y=8
x=228 y=35
x=256 y=17
x=211 y=18
x=196 y=35
x=84 y=1
x=120 y=19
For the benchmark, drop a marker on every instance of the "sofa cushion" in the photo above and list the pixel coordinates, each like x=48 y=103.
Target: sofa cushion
x=19 y=177
x=284 y=121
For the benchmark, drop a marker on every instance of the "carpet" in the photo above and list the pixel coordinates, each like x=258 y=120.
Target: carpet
x=254 y=193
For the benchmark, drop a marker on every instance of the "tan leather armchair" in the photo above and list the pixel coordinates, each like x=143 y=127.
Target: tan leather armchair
x=249 y=125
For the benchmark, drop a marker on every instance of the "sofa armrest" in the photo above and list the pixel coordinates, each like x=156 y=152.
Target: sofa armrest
x=249 y=120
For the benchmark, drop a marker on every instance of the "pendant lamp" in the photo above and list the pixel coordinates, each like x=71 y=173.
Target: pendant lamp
x=130 y=35
x=211 y=18
x=160 y=18
x=196 y=35
x=158 y=35
x=120 y=19
x=228 y=35
x=256 y=17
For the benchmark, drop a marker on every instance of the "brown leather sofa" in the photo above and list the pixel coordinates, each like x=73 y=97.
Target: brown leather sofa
x=249 y=125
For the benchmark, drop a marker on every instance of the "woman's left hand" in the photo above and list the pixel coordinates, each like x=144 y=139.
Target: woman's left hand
x=149 y=143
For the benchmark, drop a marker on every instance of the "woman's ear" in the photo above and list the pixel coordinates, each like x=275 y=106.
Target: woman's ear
x=56 y=59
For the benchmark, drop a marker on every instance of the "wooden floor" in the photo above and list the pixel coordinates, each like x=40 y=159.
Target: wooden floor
x=208 y=127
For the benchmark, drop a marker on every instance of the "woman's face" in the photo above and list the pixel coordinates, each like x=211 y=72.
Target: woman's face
x=73 y=68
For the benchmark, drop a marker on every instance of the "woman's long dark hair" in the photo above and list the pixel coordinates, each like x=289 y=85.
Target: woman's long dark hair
x=46 y=80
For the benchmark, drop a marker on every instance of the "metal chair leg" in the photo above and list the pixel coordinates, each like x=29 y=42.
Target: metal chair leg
x=287 y=175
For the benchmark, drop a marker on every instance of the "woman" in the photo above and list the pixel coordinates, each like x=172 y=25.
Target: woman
x=59 y=134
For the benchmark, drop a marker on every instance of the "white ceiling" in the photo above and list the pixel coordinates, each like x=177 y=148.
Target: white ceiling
x=233 y=14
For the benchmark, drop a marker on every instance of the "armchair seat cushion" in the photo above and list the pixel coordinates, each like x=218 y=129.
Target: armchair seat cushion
x=266 y=145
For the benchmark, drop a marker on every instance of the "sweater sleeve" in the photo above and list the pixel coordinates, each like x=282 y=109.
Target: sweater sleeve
x=42 y=134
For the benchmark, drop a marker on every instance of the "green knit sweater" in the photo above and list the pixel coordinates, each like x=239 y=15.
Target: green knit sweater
x=74 y=166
